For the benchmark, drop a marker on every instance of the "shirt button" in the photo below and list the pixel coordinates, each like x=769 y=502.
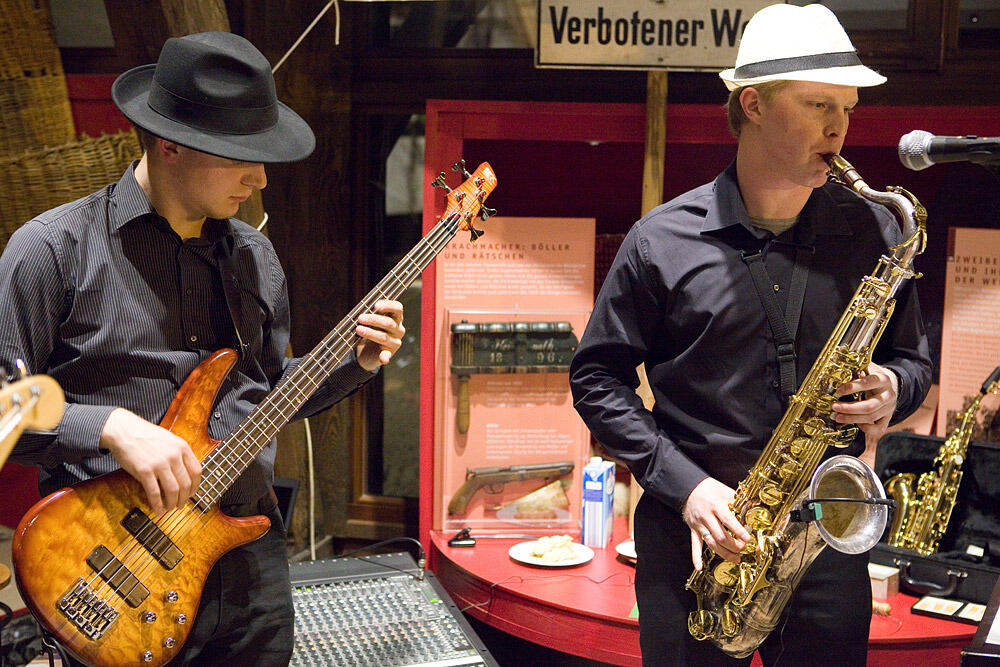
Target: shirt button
x=189 y=291
x=217 y=415
x=775 y=383
x=193 y=339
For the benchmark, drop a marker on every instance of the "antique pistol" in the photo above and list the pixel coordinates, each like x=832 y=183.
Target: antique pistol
x=507 y=347
x=477 y=478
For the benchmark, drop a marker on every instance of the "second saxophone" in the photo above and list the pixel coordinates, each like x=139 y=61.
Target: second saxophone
x=925 y=503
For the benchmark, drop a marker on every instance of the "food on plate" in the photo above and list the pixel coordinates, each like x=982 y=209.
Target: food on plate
x=553 y=548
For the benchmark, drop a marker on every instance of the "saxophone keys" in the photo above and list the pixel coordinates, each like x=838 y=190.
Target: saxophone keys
x=725 y=573
x=798 y=445
x=770 y=495
x=701 y=624
x=789 y=469
x=730 y=623
x=758 y=518
x=814 y=425
x=845 y=436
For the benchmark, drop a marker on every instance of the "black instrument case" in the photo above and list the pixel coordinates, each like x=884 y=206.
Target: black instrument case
x=967 y=562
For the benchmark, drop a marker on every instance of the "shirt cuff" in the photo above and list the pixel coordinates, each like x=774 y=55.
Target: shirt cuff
x=80 y=431
x=675 y=478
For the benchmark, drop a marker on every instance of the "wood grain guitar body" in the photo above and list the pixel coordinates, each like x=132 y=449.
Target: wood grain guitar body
x=115 y=584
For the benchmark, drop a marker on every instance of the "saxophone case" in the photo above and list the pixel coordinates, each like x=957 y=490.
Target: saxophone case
x=967 y=563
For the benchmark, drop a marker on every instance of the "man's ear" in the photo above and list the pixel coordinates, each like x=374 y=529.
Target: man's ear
x=168 y=150
x=750 y=101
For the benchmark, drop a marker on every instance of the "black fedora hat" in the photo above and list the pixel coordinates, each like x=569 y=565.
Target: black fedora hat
x=213 y=92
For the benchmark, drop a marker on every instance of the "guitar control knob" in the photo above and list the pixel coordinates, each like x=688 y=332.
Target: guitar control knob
x=149 y=617
x=169 y=642
x=171 y=596
x=147 y=656
x=182 y=619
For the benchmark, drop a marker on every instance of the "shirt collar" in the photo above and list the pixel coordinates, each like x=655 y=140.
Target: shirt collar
x=818 y=217
x=131 y=204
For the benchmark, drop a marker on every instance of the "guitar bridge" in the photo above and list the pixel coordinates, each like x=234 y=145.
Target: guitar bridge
x=88 y=612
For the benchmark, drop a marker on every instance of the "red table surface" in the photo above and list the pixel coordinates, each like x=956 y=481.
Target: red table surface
x=584 y=610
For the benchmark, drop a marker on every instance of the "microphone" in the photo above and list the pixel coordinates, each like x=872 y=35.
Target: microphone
x=811 y=509
x=919 y=150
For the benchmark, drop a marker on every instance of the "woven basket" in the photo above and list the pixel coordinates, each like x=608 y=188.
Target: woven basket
x=34 y=112
x=44 y=178
x=29 y=44
x=34 y=102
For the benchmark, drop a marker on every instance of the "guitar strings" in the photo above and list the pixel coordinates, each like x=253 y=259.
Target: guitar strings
x=178 y=522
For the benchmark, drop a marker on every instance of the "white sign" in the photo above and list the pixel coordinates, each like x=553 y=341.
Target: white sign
x=686 y=35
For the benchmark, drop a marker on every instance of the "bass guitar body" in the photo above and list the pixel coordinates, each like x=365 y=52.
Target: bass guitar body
x=114 y=583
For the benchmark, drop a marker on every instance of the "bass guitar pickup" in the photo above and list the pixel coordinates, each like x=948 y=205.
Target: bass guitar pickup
x=154 y=540
x=113 y=571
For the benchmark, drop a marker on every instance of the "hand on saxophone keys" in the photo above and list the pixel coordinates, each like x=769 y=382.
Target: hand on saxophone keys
x=707 y=513
x=879 y=388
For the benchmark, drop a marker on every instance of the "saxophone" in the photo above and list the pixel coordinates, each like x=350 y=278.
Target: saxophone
x=924 y=510
x=740 y=604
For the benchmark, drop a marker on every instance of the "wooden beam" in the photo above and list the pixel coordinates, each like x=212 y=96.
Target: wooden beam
x=656 y=139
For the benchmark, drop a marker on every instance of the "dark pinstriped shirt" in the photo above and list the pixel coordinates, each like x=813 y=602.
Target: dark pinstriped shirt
x=680 y=299
x=105 y=297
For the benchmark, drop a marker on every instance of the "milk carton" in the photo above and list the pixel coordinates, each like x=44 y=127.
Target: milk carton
x=598 y=501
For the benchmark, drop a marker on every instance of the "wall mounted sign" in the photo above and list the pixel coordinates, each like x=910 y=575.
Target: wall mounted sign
x=683 y=35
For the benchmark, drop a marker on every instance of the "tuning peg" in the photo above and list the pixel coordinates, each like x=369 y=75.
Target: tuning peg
x=486 y=212
x=474 y=233
x=439 y=183
x=22 y=368
x=460 y=166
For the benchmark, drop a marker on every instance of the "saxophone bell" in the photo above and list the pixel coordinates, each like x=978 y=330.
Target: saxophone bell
x=849 y=503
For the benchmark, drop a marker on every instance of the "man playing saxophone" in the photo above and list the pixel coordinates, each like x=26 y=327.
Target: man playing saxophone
x=728 y=294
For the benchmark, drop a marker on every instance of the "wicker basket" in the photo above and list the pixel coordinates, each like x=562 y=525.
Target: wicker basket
x=34 y=102
x=34 y=112
x=45 y=178
x=29 y=45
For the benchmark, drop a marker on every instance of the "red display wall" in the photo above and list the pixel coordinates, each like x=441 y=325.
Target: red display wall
x=585 y=160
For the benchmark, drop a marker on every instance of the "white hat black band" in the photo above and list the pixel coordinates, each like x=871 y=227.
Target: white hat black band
x=797 y=64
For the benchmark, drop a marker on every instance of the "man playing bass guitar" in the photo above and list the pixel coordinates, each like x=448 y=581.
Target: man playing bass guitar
x=120 y=295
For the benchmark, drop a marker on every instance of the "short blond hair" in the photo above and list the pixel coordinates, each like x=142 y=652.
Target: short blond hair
x=734 y=110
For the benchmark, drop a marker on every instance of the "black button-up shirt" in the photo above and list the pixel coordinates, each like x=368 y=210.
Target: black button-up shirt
x=105 y=297
x=680 y=299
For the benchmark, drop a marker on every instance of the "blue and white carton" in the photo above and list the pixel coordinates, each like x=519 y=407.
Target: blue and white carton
x=598 y=502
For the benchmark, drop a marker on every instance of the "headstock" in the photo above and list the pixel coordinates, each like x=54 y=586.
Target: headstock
x=34 y=402
x=465 y=202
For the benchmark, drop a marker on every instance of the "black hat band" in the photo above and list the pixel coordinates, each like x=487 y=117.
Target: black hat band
x=222 y=120
x=797 y=64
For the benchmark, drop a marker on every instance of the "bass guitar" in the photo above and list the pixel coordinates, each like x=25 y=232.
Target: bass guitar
x=118 y=585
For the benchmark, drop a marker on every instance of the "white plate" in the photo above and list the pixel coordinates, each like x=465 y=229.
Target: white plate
x=521 y=552
x=626 y=549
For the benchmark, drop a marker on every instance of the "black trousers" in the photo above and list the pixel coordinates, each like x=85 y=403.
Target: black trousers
x=825 y=623
x=245 y=616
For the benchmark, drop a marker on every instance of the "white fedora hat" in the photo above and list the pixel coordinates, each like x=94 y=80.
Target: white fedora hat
x=786 y=42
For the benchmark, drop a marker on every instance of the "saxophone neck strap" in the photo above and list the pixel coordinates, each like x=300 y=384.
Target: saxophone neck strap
x=784 y=326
